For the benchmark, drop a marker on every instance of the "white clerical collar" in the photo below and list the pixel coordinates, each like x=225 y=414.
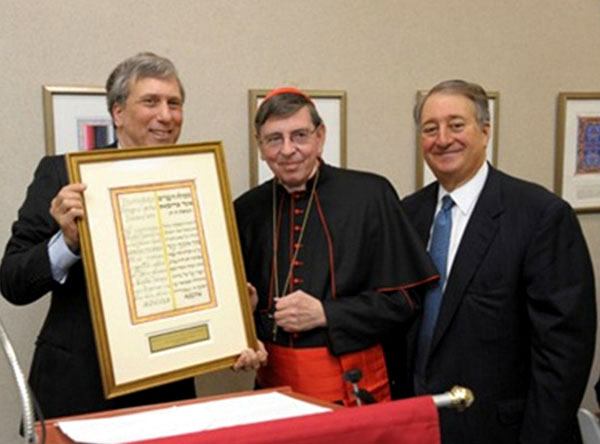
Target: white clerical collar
x=466 y=195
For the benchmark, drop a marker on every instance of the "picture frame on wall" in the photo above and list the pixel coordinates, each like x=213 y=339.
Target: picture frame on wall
x=577 y=166
x=424 y=174
x=163 y=265
x=331 y=105
x=76 y=118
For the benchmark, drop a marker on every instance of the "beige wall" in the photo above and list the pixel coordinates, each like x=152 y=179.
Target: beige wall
x=380 y=52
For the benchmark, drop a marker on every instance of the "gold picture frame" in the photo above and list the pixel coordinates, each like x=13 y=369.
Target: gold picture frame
x=331 y=105
x=76 y=118
x=163 y=264
x=577 y=166
x=425 y=176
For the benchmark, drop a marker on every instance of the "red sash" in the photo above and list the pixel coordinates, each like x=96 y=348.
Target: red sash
x=317 y=373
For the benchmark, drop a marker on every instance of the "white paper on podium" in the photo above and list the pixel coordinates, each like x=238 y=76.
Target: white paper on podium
x=191 y=418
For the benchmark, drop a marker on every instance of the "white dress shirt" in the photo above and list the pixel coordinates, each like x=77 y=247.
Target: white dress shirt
x=464 y=198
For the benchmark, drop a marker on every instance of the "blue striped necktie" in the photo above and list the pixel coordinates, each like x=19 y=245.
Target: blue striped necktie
x=438 y=251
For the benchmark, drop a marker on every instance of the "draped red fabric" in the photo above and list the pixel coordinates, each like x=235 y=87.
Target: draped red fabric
x=410 y=421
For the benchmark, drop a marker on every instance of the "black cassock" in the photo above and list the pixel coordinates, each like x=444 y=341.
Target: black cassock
x=359 y=255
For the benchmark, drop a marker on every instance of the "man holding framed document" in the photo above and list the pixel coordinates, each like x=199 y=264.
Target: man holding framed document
x=145 y=98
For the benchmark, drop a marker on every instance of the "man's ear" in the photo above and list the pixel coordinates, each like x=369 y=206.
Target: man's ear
x=116 y=113
x=258 y=144
x=321 y=134
x=487 y=131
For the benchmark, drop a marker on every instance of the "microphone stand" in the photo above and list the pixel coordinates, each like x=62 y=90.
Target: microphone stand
x=26 y=403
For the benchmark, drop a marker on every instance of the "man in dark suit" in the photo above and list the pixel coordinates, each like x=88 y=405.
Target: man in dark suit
x=514 y=316
x=145 y=98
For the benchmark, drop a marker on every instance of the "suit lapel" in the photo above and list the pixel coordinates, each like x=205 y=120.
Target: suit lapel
x=423 y=217
x=477 y=238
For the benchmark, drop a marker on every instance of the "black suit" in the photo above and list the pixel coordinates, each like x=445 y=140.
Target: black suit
x=518 y=318
x=64 y=375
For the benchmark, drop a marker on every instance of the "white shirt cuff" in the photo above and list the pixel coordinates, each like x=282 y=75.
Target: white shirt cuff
x=61 y=257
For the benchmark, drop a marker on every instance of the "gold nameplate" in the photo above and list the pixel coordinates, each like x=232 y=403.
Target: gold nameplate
x=173 y=339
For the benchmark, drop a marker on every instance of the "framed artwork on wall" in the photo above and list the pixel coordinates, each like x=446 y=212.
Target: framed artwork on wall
x=76 y=118
x=425 y=176
x=162 y=262
x=331 y=105
x=577 y=166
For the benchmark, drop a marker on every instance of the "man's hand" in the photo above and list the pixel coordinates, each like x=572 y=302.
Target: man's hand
x=299 y=311
x=66 y=208
x=253 y=294
x=251 y=359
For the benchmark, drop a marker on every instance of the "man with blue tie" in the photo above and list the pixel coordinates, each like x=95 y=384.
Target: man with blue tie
x=514 y=316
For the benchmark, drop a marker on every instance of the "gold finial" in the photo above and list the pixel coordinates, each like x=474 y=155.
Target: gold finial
x=462 y=397
x=458 y=398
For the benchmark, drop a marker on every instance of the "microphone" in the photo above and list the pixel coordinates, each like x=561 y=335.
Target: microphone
x=362 y=396
x=26 y=401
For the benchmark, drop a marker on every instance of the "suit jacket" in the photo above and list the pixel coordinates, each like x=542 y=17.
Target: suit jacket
x=517 y=322
x=64 y=376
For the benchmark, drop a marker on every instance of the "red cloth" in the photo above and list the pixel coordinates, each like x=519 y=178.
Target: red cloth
x=410 y=421
x=315 y=372
x=311 y=371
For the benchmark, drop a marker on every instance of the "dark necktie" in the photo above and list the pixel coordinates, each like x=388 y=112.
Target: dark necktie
x=438 y=251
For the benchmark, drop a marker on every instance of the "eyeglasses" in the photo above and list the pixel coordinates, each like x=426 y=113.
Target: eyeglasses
x=298 y=137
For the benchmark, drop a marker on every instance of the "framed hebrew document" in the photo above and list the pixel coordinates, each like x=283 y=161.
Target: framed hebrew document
x=163 y=265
